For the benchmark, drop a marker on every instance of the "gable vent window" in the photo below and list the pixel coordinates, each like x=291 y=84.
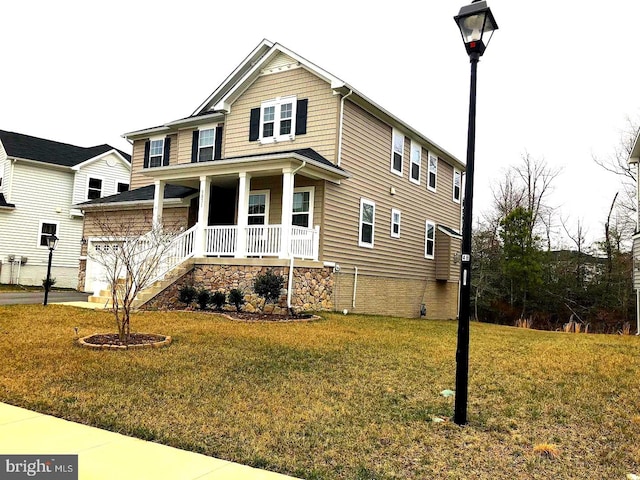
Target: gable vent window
x=278 y=120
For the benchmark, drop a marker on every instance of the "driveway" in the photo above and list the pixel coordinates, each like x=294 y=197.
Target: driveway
x=14 y=298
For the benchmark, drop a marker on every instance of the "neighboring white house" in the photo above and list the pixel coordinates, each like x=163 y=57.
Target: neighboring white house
x=40 y=182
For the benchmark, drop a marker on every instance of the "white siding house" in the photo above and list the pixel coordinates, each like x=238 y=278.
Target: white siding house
x=42 y=180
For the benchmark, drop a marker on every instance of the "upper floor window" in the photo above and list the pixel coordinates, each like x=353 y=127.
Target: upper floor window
x=397 y=152
x=122 y=187
x=367 y=222
x=277 y=120
x=206 y=144
x=94 y=188
x=156 y=152
x=46 y=229
x=457 y=185
x=395 y=223
x=429 y=240
x=433 y=172
x=416 y=162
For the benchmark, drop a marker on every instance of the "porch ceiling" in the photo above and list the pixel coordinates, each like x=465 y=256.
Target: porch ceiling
x=256 y=166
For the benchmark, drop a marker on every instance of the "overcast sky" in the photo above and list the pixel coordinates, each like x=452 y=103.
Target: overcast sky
x=558 y=81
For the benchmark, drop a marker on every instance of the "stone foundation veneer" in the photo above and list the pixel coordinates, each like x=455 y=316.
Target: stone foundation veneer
x=312 y=284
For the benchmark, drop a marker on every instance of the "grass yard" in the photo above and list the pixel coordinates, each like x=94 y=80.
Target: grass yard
x=347 y=397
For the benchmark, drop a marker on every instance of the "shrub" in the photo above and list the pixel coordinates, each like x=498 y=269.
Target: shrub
x=218 y=299
x=268 y=286
x=52 y=282
x=187 y=294
x=236 y=297
x=203 y=298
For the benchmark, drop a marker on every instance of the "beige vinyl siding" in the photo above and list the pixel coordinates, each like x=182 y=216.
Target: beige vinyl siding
x=138 y=178
x=137 y=221
x=367 y=156
x=322 y=114
x=137 y=162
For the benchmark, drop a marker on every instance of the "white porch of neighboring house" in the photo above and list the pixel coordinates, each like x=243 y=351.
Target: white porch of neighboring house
x=250 y=235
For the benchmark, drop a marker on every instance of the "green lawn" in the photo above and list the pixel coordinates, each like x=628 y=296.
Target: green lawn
x=346 y=397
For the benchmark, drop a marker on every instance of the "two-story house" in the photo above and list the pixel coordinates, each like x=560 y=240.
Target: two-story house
x=40 y=182
x=286 y=166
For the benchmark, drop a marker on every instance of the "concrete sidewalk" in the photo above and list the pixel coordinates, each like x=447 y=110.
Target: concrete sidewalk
x=104 y=455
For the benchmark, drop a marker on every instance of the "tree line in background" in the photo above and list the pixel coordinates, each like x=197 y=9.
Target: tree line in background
x=531 y=264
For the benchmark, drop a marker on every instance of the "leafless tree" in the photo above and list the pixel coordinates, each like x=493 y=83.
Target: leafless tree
x=133 y=255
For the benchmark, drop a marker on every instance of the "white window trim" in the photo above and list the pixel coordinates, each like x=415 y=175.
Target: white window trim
x=393 y=212
x=395 y=133
x=418 y=148
x=115 y=190
x=102 y=185
x=312 y=191
x=267 y=194
x=364 y=201
x=457 y=173
x=157 y=139
x=427 y=239
x=213 y=144
x=52 y=222
x=434 y=187
x=277 y=103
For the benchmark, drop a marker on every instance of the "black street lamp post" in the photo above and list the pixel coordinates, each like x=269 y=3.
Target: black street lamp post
x=52 y=242
x=476 y=25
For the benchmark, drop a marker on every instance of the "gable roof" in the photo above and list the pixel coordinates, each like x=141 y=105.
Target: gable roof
x=251 y=68
x=18 y=145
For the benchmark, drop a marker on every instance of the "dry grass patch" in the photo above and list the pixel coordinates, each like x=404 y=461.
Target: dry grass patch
x=348 y=397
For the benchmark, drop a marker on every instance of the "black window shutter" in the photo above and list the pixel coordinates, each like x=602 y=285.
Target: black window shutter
x=254 y=124
x=194 y=145
x=217 y=152
x=147 y=148
x=301 y=116
x=167 y=150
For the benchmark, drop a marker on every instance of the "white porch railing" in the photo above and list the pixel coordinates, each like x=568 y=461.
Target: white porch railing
x=262 y=241
x=180 y=249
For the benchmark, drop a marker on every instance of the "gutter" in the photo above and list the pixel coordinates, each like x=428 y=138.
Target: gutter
x=341 y=126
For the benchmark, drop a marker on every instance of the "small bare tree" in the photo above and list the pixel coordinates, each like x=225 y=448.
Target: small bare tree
x=132 y=257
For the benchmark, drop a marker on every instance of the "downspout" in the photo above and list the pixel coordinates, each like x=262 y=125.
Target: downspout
x=290 y=281
x=341 y=125
x=355 y=287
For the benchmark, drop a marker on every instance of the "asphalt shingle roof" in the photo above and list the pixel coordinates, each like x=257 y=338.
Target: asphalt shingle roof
x=19 y=145
x=143 y=194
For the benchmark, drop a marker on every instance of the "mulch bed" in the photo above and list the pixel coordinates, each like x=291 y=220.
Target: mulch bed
x=112 y=340
x=267 y=317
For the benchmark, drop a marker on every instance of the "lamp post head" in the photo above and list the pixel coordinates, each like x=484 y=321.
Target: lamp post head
x=52 y=242
x=476 y=24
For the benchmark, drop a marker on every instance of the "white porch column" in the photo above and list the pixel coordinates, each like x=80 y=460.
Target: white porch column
x=287 y=211
x=244 y=187
x=158 y=200
x=203 y=217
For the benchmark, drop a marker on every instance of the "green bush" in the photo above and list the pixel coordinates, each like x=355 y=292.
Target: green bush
x=187 y=294
x=236 y=297
x=268 y=286
x=218 y=299
x=203 y=298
